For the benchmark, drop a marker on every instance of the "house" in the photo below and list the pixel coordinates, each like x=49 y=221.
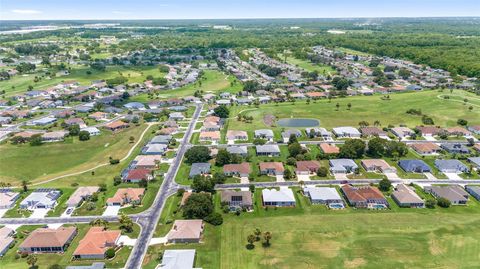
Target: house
x=176 y=116
x=429 y=130
x=161 y=139
x=77 y=121
x=268 y=150
x=474 y=191
x=95 y=265
x=307 y=167
x=240 y=150
x=237 y=135
x=475 y=161
x=154 y=149
x=210 y=126
x=264 y=134
x=126 y=196
x=281 y=197
x=323 y=195
x=178 y=259
x=476 y=147
x=372 y=131
x=210 y=136
x=134 y=106
x=6 y=240
x=41 y=198
x=318 y=132
x=451 y=166
x=402 y=132
x=457 y=131
x=98 y=116
x=364 y=196
x=96 y=242
x=46 y=240
x=186 y=231
x=454 y=193
x=199 y=169
x=237 y=199
x=271 y=168
x=328 y=148
x=240 y=170
x=474 y=129
x=92 y=131
x=146 y=161
x=455 y=148
x=138 y=174
x=44 y=121
x=5 y=120
x=378 y=165
x=414 y=166
x=8 y=198
x=405 y=196
x=346 y=132
x=287 y=133
x=81 y=194
x=426 y=148
x=342 y=166
x=54 y=136
x=116 y=125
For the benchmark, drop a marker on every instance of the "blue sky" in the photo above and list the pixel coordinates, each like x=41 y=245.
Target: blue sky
x=217 y=9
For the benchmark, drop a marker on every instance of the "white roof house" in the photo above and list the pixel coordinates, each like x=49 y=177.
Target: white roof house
x=41 y=198
x=323 y=195
x=346 y=131
x=281 y=197
x=177 y=259
x=91 y=130
x=8 y=198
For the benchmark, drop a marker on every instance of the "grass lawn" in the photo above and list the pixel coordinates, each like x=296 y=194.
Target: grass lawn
x=311 y=236
x=46 y=260
x=19 y=162
x=309 y=66
x=444 y=112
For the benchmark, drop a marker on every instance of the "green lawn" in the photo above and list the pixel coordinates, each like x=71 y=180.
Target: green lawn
x=19 y=162
x=311 y=236
x=365 y=108
x=309 y=66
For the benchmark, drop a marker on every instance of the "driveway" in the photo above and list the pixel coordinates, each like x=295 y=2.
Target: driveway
x=280 y=178
x=158 y=240
x=39 y=213
x=453 y=176
x=429 y=138
x=111 y=210
x=303 y=177
x=392 y=176
x=430 y=176
x=339 y=176
x=244 y=180
x=2 y=212
x=127 y=241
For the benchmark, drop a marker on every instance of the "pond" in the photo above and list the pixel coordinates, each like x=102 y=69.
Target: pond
x=293 y=122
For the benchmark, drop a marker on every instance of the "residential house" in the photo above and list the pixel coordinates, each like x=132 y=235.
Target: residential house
x=318 y=132
x=138 y=174
x=199 y=169
x=455 y=148
x=346 y=132
x=41 y=198
x=236 y=135
x=77 y=121
x=46 y=240
x=372 y=131
x=176 y=116
x=364 y=196
x=307 y=167
x=240 y=170
x=161 y=139
x=126 y=196
x=405 y=196
x=44 y=121
x=96 y=242
x=476 y=147
x=98 y=116
x=426 y=148
x=54 y=136
x=264 y=134
x=378 y=165
x=414 y=166
x=402 y=132
x=237 y=199
x=454 y=193
x=146 y=161
x=288 y=133
x=457 y=131
x=474 y=191
x=154 y=149
x=323 y=195
x=328 y=148
x=342 y=166
x=134 y=106
x=6 y=240
x=8 y=198
x=283 y=197
x=178 y=259
x=186 y=231
x=210 y=136
x=116 y=125
x=81 y=194
x=95 y=265
x=475 y=161
x=271 y=168
x=240 y=150
x=268 y=150
x=429 y=130
x=451 y=166
x=92 y=131
x=474 y=129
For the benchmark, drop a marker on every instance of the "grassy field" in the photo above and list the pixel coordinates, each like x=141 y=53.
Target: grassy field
x=309 y=66
x=46 y=260
x=19 y=162
x=445 y=112
x=310 y=236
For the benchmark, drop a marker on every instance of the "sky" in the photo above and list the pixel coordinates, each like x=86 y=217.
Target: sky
x=226 y=9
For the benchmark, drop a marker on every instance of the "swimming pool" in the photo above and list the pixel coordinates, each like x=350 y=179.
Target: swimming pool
x=336 y=206
x=378 y=206
x=293 y=122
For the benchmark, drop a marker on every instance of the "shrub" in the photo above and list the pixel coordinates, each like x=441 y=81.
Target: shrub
x=114 y=161
x=442 y=202
x=214 y=219
x=110 y=253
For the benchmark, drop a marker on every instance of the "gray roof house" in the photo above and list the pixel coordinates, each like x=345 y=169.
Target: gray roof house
x=199 y=169
x=454 y=193
x=240 y=150
x=154 y=149
x=176 y=116
x=451 y=166
x=44 y=121
x=237 y=199
x=287 y=133
x=264 y=133
x=405 y=196
x=6 y=240
x=161 y=139
x=41 y=198
x=323 y=195
x=475 y=161
x=318 y=132
x=414 y=166
x=268 y=150
x=8 y=198
x=282 y=197
x=342 y=165
x=474 y=191
x=455 y=148
x=178 y=259
x=134 y=106
x=346 y=131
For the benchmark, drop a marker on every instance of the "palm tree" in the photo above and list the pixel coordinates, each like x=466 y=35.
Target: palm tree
x=376 y=123
x=251 y=240
x=349 y=106
x=25 y=185
x=32 y=260
x=338 y=106
x=267 y=236
x=257 y=233
x=470 y=108
x=465 y=101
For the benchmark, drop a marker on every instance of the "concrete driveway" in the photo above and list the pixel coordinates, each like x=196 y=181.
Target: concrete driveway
x=280 y=178
x=429 y=138
x=39 y=213
x=430 y=176
x=111 y=210
x=303 y=177
x=127 y=241
x=392 y=176
x=453 y=176
x=340 y=176
x=2 y=212
x=244 y=180
x=68 y=212
x=158 y=241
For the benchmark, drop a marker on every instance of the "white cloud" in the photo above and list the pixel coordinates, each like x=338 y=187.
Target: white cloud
x=26 y=11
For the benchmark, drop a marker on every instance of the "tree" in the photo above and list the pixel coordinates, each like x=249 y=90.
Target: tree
x=352 y=149
x=251 y=240
x=294 y=149
x=287 y=174
x=32 y=260
x=404 y=73
x=322 y=171
x=376 y=147
x=257 y=234
x=99 y=222
x=25 y=185
x=126 y=223
x=132 y=139
x=221 y=111
x=110 y=253
x=337 y=106
x=197 y=154
x=223 y=157
x=203 y=184
x=55 y=266
x=84 y=136
x=198 y=206
x=443 y=202
x=267 y=236
x=384 y=185
x=292 y=139
x=36 y=140
x=462 y=122
x=430 y=203
x=214 y=219
x=251 y=187
x=73 y=129
x=349 y=106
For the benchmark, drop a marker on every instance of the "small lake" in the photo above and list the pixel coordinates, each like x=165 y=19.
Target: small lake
x=298 y=122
